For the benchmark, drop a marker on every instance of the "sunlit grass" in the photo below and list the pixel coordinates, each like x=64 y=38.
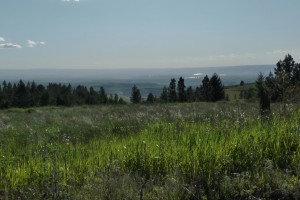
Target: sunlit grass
x=183 y=151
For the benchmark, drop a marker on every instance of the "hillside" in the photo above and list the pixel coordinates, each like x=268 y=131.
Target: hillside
x=168 y=151
x=234 y=91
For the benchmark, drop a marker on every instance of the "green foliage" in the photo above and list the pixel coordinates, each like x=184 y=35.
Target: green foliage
x=205 y=89
x=210 y=90
x=286 y=81
x=181 y=90
x=164 y=95
x=217 y=88
x=102 y=96
x=263 y=94
x=150 y=98
x=136 y=96
x=31 y=95
x=172 y=95
x=190 y=95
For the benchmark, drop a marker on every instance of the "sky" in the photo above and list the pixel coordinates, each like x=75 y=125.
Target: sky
x=113 y=34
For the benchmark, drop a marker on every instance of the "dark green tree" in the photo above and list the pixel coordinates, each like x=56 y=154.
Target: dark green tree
x=164 y=95
x=273 y=86
x=198 y=94
x=121 y=101
x=296 y=75
x=21 y=96
x=35 y=95
x=102 y=96
x=190 y=95
x=10 y=93
x=136 y=96
x=285 y=83
x=2 y=99
x=93 y=97
x=65 y=97
x=205 y=89
x=45 y=98
x=284 y=69
x=262 y=92
x=150 y=98
x=181 y=90
x=172 y=97
x=217 y=88
x=81 y=95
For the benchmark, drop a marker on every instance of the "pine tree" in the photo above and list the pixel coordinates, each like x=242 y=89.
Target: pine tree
x=150 y=98
x=287 y=79
x=190 y=95
x=284 y=69
x=135 y=95
x=34 y=95
x=21 y=98
x=102 y=96
x=181 y=90
x=121 y=101
x=263 y=95
x=164 y=95
x=198 y=94
x=45 y=98
x=2 y=99
x=217 y=88
x=81 y=95
x=205 y=89
x=93 y=97
x=172 y=91
x=10 y=93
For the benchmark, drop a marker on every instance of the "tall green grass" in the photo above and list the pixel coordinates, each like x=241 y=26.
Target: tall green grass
x=175 y=151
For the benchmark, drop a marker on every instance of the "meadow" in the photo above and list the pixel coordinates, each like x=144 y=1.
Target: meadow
x=218 y=150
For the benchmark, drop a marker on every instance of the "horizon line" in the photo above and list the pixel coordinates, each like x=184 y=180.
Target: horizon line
x=130 y=68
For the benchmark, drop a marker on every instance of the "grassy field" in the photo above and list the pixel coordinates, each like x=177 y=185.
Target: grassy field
x=234 y=91
x=166 y=151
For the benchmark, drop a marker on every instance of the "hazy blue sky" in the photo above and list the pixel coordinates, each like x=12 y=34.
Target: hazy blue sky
x=146 y=33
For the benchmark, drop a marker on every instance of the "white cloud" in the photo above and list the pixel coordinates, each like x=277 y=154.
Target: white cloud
x=31 y=43
x=7 y=45
x=10 y=45
x=280 y=52
x=70 y=0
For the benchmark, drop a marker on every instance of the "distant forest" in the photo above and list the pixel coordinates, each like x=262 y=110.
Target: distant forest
x=25 y=95
x=284 y=85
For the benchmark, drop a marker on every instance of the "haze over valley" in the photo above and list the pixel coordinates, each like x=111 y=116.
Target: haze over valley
x=120 y=81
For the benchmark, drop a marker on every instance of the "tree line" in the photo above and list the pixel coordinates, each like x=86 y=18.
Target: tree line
x=210 y=90
x=31 y=94
x=25 y=95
